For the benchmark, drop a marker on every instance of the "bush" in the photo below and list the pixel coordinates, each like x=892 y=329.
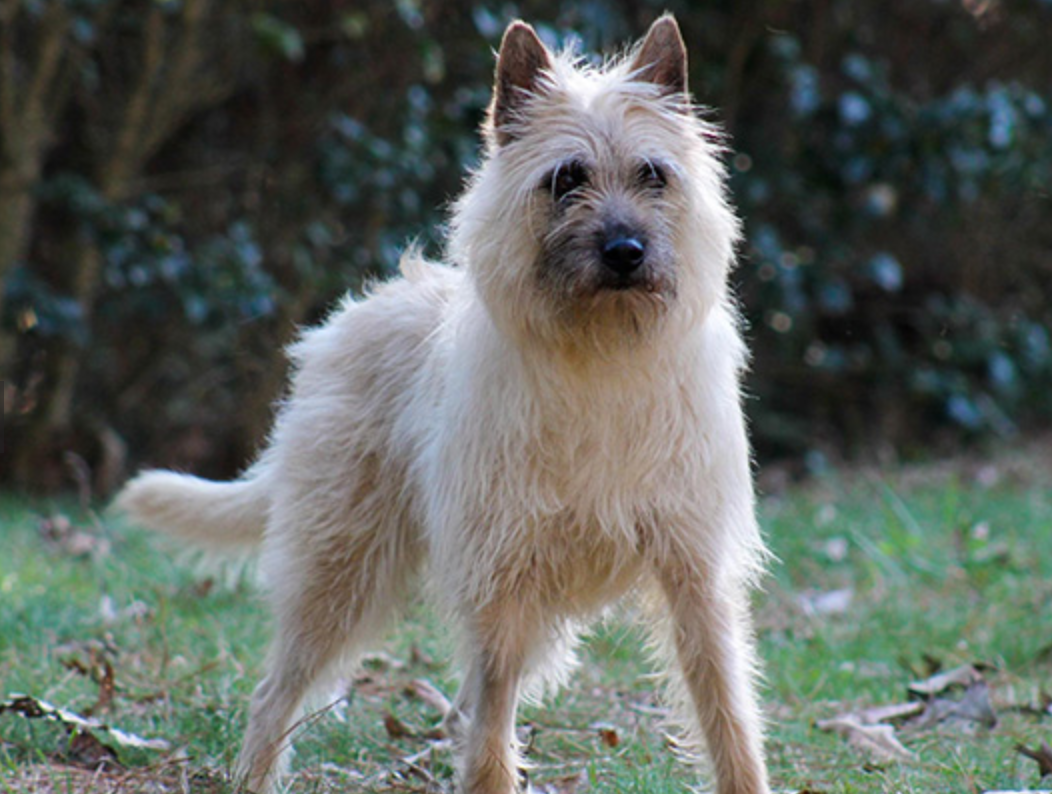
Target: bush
x=892 y=162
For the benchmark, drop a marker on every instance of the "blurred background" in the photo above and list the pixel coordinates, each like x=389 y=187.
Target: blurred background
x=184 y=182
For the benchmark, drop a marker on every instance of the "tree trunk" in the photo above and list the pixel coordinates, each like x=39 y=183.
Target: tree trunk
x=16 y=211
x=171 y=82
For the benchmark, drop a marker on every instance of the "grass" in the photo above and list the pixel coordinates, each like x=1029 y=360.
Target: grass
x=941 y=570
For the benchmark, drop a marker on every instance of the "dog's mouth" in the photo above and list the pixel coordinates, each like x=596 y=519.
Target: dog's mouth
x=643 y=281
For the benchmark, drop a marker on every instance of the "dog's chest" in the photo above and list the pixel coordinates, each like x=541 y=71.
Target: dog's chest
x=618 y=454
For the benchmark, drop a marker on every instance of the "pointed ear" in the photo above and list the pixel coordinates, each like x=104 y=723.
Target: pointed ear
x=521 y=60
x=662 y=57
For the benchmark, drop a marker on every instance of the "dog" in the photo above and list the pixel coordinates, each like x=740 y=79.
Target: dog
x=544 y=425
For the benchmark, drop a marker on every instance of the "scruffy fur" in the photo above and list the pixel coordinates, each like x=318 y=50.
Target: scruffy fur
x=545 y=425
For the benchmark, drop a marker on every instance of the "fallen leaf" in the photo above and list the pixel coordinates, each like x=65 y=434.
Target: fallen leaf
x=419 y=658
x=973 y=709
x=86 y=750
x=98 y=668
x=203 y=588
x=1043 y=756
x=60 y=533
x=569 y=784
x=1044 y=655
x=609 y=737
x=396 y=729
x=965 y=676
x=896 y=711
x=381 y=662
x=527 y=735
x=34 y=708
x=418 y=766
x=107 y=688
x=877 y=739
x=424 y=690
x=970 y=710
x=370 y=686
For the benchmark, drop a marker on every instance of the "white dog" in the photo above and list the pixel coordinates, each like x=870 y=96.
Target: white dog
x=543 y=426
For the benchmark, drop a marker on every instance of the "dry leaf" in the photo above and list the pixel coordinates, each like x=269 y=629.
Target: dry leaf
x=527 y=735
x=897 y=711
x=396 y=729
x=609 y=737
x=371 y=686
x=1043 y=756
x=1044 y=655
x=419 y=658
x=60 y=533
x=98 y=668
x=381 y=662
x=570 y=784
x=107 y=687
x=972 y=709
x=424 y=690
x=87 y=751
x=879 y=739
x=33 y=708
x=418 y=766
x=965 y=676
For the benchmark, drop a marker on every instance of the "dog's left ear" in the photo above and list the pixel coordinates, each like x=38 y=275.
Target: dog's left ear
x=662 y=57
x=522 y=60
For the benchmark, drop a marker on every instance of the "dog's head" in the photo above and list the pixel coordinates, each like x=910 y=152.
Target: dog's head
x=599 y=212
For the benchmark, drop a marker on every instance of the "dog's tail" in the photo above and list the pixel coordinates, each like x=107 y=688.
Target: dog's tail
x=220 y=518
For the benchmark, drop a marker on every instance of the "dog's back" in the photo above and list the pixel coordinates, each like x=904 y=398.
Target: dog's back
x=334 y=432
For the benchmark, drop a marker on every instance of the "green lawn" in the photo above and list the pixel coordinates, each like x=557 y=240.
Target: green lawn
x=934 y=570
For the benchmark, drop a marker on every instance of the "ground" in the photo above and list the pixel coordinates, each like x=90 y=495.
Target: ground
x=928 y=588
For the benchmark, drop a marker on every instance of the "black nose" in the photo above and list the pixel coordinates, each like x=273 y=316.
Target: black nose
x=623 y=254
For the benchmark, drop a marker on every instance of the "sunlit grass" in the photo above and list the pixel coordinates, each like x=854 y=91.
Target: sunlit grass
x=935 y=571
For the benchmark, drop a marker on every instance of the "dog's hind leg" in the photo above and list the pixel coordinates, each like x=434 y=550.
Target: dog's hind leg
x=458 y=719
x=332 y=595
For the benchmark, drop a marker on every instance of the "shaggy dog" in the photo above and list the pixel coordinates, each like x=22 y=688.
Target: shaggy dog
x=546 y=424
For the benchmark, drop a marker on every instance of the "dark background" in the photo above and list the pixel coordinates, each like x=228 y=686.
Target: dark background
x=182 y=184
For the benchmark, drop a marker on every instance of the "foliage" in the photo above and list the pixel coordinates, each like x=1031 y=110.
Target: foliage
x=892 y=164
x=856 y=289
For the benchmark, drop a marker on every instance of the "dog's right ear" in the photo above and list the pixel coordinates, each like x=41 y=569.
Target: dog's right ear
x=661 y=58
x=522 y=60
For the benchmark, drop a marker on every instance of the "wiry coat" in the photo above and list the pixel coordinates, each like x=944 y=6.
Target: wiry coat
x=537 y=443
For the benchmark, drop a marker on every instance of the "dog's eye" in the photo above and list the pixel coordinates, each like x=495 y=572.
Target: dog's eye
x=567 y=178
x=652 y=176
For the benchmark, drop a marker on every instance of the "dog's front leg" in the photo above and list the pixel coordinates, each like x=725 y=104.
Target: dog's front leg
x=711 y=638
x=491 y=762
